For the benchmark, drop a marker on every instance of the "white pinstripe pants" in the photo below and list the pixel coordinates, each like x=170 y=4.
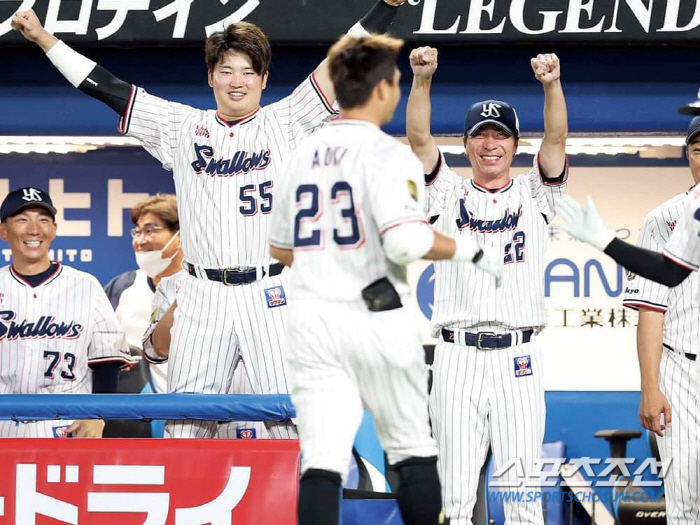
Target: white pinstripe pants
x=343 y=358
x=678 y=380
x=476 y=401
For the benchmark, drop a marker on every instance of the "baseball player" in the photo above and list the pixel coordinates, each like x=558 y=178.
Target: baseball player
x=487 y=379
x=225 y=163
x=58 y=332
x=668 y=342
x=349 y=216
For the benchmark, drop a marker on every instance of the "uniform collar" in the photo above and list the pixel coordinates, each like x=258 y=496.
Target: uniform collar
x=483 y=189
x=240 y=121
x=47 y=276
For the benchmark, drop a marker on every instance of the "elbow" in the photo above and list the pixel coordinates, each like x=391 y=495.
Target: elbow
x=408 y=242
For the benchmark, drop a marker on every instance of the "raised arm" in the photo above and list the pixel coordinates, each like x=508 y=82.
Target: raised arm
x=424 y=62
x=552 y=155
x=80 y=71
x=377 y=20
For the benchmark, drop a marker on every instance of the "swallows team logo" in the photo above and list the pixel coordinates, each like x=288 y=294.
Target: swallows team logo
x=509 y=221
x=523 y=366
x=45 y=327
x=671 y=225
x=241 y=162
x=275 y=297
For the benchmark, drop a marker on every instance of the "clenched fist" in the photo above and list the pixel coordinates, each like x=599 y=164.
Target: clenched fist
x=546 y=68
x=424 y=61
x=27 y=23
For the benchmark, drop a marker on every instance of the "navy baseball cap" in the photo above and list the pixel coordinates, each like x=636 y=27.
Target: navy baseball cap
x=693 y=130
x=492 y=111
x=22 y=198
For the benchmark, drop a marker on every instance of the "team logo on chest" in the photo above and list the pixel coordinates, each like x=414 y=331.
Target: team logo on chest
x=241 y=162
x=44 y=328
x=509 y=221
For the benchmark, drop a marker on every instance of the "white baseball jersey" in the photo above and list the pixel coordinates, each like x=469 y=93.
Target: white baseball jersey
x=50 y=335
x=495 y=397
x=681 y=307
x=683 y=247
x=681 y=304
x=513 y=221
x=345 y=186
x=224 y=175
x=334 y=205
x=224 y=171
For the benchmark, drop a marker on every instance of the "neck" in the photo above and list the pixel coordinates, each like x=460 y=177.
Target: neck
x=492 y=183
x=175 y=266
x=31 y=267
x=230 y=117
x=363 y=113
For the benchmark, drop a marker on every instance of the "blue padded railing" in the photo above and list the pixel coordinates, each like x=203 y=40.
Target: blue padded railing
x=209 y=407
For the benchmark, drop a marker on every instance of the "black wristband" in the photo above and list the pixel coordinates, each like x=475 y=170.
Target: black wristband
x=478 y=256
x=379 y=18
x=648 y=264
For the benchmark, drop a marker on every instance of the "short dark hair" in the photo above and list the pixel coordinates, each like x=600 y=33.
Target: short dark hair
x=163 y=206
x=357 y=65
x=242 y=37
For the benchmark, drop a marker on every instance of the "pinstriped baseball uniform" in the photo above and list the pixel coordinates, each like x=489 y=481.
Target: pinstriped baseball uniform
x=346 y=186
x=683 y=247
x=165 y=295
x=50 y=335
x=480 y=396
x=224 y=176
x=681 y=308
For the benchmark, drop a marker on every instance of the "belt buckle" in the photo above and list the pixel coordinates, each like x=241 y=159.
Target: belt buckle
x=226 y=271
x=480 y=335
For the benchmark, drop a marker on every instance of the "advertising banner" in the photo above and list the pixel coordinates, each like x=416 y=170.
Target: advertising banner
x=144 y=481
x=163 y=22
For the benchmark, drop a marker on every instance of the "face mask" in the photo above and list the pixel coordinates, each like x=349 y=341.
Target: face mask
x=152 y=263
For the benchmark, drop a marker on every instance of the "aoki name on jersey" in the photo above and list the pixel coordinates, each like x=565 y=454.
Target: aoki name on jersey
x=242 y=161
x=45 y=327
x=509 y=221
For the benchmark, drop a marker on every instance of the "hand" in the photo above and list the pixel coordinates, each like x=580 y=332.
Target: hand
x=424 y=62
x=546 y=68
x=395 y=3
x=652 y=405
x=27 y=23
x=584 y=224
x=492 y=264
x=87 y=428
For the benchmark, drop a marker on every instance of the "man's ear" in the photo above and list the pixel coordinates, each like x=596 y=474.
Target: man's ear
x=210 y=78
x=265 y=75
x=3 y=231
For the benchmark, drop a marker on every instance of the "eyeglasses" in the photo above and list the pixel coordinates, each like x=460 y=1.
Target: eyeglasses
x=148 y=231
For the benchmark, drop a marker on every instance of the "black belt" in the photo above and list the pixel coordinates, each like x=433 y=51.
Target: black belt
x=692 y=357
x=236 y=276
x=486 y=340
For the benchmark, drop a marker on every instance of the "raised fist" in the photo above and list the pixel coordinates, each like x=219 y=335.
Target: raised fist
x=424 y=61
x=546 y=68
x=27 y=23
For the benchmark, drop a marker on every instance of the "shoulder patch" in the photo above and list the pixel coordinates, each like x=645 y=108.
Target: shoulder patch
x=412 y=189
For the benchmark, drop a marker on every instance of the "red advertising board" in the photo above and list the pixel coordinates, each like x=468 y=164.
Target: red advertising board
x=148 y=481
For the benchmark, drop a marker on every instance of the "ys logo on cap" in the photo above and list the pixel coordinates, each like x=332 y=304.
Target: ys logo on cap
x=491 y=110
x=31 y=194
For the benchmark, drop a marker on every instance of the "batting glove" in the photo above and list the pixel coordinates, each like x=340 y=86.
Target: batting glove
x=585 y=224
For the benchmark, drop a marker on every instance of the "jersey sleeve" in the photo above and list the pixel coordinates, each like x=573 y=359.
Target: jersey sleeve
x=438 y=185
x=545 y=189
x=155 y=123
x=397 y=196
x=683 y=247
x=281 y=234
x=641 y=292
x=108 y=341
x=304 y=111
x=161 y=302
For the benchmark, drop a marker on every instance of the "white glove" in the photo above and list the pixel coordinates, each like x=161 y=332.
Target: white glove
x=466 y=250
x=491 y=263
x=584 y=224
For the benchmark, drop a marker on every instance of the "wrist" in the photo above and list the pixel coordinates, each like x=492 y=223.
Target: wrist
x=602 y=238
x=422 y=82
x=466 y=249
x=46 y=41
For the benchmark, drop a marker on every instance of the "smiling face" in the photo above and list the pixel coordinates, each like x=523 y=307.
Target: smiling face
x=693 y=154
x=29 y=234
x=237 y=87
x=490 y=151
x=154 y=234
